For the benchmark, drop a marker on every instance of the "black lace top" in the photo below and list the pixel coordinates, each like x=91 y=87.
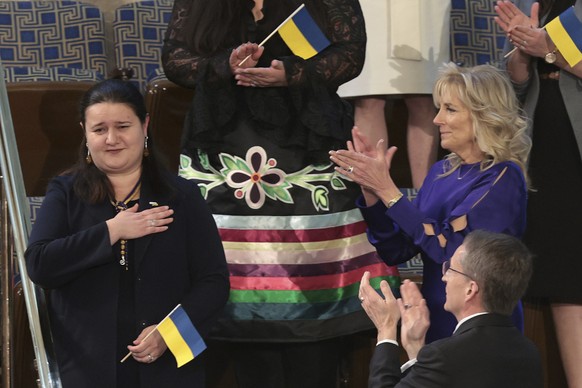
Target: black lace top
x=307 y=115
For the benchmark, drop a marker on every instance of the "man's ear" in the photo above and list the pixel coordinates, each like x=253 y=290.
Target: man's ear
x=472 y=290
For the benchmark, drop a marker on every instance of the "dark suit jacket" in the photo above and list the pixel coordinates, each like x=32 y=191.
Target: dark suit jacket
x=486 y=351
x=69 y=253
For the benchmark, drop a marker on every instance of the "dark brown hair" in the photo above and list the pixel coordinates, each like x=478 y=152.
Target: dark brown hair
x=91 y=184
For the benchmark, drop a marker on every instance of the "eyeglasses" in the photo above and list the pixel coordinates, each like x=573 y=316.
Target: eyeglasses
x=447 y=266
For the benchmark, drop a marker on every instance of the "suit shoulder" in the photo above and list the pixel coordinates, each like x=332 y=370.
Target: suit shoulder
x=182 y=185
x=61 y=183
x=185 y=189
x=63 y=180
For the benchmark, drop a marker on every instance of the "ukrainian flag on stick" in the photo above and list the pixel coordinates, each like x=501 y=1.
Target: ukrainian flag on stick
x=566 y=33
x=302 y=34
x=181 y=336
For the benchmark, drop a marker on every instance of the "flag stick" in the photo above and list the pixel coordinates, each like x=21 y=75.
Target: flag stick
x=274 y=31
x=151 y=332
x=515 y=48
x=509 y=53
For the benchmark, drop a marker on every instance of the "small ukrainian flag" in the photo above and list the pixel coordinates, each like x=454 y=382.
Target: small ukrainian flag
x=566 y=33
x=181 y=336
x=302 y=34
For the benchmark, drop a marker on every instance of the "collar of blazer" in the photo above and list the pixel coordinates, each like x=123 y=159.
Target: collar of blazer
x=491 y=319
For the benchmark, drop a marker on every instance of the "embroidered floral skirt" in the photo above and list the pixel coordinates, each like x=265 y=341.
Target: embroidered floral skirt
x=295 y=244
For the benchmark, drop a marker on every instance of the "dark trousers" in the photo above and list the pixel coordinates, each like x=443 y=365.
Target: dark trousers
x=288 y=365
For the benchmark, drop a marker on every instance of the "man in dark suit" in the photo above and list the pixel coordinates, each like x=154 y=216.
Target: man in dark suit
x=484 y=279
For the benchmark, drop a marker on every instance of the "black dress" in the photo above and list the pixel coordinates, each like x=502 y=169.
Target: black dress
x=554 y=208
x=294 y=240
x=128 y=371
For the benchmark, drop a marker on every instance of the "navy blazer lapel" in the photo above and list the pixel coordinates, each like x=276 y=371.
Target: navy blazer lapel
x=484 y=320
x=141 y=244
x=97 y=213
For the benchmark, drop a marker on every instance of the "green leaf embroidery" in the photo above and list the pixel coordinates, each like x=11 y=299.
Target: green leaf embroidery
x=303 y=179
x=233 y=163
x=280 y=192
x=203 y=190
x=337 y=184
x=185 y=161
x=204 y=162
x=320 y=198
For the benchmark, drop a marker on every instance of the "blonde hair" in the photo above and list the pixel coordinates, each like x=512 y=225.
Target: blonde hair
x=499 y=124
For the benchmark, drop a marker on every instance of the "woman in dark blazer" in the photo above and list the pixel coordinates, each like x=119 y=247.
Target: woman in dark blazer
x=551 y=91
x=119 y=242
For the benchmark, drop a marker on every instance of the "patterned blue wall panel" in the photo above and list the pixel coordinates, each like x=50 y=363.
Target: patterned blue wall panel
x=34 y=203
x=52 y=33
x=156 y=76
x=138 y=30
x=36 y=74
x=414 y=266
x=475 y=37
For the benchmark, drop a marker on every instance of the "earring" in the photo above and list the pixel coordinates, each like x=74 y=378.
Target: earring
x=88 y=158
x=146 y=151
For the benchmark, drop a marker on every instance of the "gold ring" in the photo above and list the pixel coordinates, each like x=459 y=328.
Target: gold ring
x=150 y=358
x=350 y=169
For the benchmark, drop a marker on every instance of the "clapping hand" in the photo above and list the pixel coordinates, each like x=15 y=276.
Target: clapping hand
x=360 y=143
x=368 y=166
x=415 y=318
x=509 y=16
x=383 y=312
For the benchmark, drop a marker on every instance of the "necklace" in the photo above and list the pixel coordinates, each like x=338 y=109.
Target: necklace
x=121 y=206
x=459 y=177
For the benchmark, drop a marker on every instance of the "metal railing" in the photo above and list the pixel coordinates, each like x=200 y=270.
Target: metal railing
x=17 y=219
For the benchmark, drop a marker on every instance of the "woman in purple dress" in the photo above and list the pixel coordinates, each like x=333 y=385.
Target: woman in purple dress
x=481 y=184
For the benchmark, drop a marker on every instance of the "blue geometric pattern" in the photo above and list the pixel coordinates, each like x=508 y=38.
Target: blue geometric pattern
x=52 y=33
x=138 y=30
x=475 y=37
x=156 y=76
x=34 y=203
x=38 y=74
x=414 y=266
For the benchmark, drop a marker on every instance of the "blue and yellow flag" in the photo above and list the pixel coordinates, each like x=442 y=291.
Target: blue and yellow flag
x=302 y=34
x=566 y=33
x=181 y=336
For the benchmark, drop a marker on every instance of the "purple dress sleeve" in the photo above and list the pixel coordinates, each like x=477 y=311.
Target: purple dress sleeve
x=434 y=224
x=446 y=210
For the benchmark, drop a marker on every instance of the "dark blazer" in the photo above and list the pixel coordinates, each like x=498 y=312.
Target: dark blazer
x=570 y=85
x=69 y=253
x=486 y=351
